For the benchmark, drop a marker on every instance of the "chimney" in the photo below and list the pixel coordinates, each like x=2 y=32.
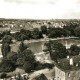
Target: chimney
x=71 y=61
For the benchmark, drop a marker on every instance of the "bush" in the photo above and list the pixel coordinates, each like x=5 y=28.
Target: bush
x=7 y=66
x=3 y=75
x=39 y=66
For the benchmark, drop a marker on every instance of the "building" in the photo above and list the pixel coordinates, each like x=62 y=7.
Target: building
x=68 y=68
x=59 y=74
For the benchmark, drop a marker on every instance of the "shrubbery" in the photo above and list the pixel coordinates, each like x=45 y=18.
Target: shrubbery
x=3 y=75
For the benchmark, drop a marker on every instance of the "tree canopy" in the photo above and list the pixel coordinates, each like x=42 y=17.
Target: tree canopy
x=5 y=49
x=57 y=50
x=22 y=47
x=74 y=50
x=7 y=39
x=44 y=29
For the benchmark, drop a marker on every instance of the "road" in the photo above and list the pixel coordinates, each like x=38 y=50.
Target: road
x=47 y=39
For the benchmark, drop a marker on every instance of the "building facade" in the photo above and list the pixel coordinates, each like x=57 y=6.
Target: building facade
x=59 y=74
x=68 y=69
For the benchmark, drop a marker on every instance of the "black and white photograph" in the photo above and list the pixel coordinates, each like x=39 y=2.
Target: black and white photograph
x=39 y=39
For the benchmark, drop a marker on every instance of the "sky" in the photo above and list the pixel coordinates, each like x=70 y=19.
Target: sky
x=40 y=9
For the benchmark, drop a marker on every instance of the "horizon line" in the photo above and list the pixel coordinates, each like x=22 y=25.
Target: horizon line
x=39 y=19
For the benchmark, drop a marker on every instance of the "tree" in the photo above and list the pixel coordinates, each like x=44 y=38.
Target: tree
x=36 y=34
x=44 y=29
x=29 y=60
x=22 y=35
x=12 y=56
x=28 y=67
x=7 y=39
x=71 y=27
x=77 y=31
x=5 y=33
x=28 y=55
x=74 y=50
x=1 y=26
x=57 y=50
x=1 y=35
x=21 y=56
x=56 y=32
x=3 y=75
x=28 y=34
x=22 y=47
x=5 y=49
x=17 y=36
x=52 y=34
x=7 y=66
x=23 y=31
x=26 y=60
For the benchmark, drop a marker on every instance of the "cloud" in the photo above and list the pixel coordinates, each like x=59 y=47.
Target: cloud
x=32 y=1
x=40 y=9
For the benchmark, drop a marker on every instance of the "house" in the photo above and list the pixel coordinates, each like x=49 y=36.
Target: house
x=68 y=68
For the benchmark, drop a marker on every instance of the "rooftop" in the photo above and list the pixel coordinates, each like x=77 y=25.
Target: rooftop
x=64 y=64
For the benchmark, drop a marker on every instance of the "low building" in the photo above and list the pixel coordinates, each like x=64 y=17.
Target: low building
x=68 y=68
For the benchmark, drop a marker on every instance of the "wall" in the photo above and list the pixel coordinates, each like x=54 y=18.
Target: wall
x=59 y=74
x=73 y=75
